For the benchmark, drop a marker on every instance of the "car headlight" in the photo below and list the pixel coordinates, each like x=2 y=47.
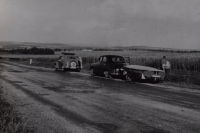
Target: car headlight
x=125 y=73
x=116 y=70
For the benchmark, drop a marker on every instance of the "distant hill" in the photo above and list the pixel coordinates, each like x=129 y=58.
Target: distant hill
x=142 y=47
x=152 y=48
x=16 y=45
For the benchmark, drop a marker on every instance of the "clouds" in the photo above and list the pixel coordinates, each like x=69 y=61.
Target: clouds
x=158 y=23
x=159 y=9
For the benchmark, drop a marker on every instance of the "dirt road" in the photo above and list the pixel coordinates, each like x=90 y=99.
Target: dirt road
x=67 y=102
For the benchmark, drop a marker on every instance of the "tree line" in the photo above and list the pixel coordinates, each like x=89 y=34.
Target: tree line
x=34 y=50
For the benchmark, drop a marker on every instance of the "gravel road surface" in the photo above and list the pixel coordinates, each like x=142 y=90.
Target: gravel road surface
x=71 y=102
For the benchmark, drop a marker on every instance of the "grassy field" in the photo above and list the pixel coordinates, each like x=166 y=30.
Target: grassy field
x=132 y=54
x=179 y=61
x=185 y=67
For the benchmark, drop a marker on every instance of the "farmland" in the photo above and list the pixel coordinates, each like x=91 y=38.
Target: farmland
x=185 y=67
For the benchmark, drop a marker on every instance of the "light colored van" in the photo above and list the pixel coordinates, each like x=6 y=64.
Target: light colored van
x=68 y=61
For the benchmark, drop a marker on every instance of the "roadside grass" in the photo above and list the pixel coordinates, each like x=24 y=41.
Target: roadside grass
x=9 y=121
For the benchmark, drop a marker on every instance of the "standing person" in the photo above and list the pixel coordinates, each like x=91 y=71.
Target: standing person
x=165 y=64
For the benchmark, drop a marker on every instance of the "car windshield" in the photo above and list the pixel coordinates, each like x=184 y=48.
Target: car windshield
x=117 y=59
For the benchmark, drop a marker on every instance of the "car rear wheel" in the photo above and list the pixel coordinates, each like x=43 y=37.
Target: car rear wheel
x=128 y=78
x=78 y=70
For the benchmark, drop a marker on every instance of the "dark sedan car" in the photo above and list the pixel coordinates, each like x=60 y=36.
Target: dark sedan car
x=109 y=66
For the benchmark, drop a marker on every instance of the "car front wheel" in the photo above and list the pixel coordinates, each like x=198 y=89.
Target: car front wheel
x=106 y=74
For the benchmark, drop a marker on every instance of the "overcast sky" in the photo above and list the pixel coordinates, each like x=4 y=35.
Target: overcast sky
x=157 y=23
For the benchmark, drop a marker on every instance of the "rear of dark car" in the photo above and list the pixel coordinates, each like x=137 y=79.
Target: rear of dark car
x=109 y=66
x=116 y=63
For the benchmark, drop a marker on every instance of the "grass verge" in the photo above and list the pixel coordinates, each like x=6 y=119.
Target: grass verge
x=10 y=122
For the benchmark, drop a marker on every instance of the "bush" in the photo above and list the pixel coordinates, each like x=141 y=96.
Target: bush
x=34 y=50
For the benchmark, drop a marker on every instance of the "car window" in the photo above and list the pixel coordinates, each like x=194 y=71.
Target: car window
x=104 y=59
x=100 y=59
x=118 y=59
x=71 y=57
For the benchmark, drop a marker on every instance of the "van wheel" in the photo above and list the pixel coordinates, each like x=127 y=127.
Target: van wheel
x=63 y=68
x=55 y=68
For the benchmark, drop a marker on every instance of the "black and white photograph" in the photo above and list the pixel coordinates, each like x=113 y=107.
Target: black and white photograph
x=99 y=66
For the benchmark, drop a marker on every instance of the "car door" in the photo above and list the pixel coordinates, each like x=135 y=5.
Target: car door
x=60 y=61
x=103 y=65
x=96 y=66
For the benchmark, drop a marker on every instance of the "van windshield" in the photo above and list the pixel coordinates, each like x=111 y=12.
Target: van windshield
x=71 y=57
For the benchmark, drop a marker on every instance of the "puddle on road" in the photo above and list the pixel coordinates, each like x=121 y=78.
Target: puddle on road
x=155 y=131
x=24 y=85
x=78 y=91
x=54 y=88
x=43 y=94
x=107 y=126
x=18 y=81
x=15 y=71
x=57 y=89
